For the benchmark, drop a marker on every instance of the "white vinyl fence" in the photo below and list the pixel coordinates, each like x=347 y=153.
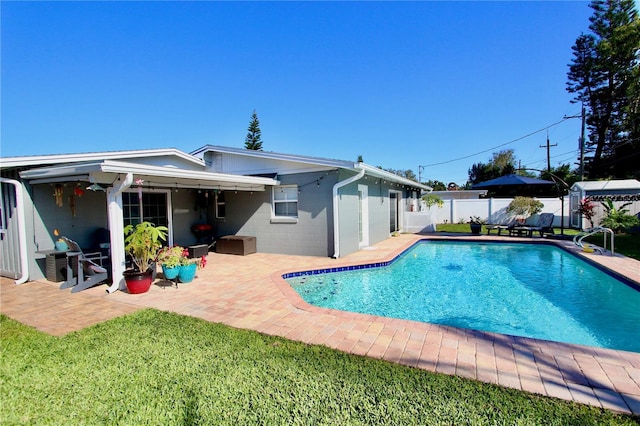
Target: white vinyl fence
x=490 y=210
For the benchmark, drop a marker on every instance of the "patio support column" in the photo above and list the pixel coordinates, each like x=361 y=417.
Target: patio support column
x=116 y=230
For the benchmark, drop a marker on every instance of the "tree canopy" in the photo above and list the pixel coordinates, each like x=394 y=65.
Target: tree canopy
x=253 y=140
x=436 y=185
x=604 y=75
x=502 y=163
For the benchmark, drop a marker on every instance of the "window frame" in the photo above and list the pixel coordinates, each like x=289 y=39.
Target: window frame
x=275 y=218
x=167 y=193
x=220 y=202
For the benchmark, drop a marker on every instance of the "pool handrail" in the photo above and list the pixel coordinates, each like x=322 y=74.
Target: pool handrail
x=580 y=236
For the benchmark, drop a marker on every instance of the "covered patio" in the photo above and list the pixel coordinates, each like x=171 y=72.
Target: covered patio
x=113 y=185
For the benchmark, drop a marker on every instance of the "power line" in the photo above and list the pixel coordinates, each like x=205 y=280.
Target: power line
x=498 y=146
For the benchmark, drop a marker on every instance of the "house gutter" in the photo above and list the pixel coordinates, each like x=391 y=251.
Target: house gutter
x=116 y=231
x=336 y=215
x=22 y=230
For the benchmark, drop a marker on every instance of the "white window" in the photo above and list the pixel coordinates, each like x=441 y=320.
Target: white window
x=285 y=201
x=151 y=207
x=220 y=206
x=154 y=206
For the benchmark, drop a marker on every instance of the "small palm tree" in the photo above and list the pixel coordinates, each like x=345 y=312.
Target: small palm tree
x=143 y=242
x=617 y=218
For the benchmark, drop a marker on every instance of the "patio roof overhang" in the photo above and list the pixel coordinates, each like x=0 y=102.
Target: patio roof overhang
x=106 y=173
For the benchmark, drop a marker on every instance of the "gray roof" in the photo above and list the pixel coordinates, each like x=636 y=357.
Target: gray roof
x=603 y=185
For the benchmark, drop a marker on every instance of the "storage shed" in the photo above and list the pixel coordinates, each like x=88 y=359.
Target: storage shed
x=619 y=191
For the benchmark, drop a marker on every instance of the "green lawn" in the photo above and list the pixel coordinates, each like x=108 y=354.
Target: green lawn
x=155 y=367
x=626 y=244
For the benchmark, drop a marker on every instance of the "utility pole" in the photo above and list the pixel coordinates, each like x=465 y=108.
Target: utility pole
x=548 y=152
x=582 y=139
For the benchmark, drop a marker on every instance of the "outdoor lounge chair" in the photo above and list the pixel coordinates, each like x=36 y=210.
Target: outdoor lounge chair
x=82 y=272
x=544 y=226
x=501 y=227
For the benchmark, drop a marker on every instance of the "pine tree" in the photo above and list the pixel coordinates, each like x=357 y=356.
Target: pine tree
x=601 y=75
x=252 y=141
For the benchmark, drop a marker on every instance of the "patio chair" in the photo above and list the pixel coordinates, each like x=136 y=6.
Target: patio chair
x=500 y=227
x=82 y=272
x=543 y=226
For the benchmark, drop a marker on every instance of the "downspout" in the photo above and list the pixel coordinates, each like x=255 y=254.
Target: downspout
x=22 y=230
x=116 y=231
x=336 y=215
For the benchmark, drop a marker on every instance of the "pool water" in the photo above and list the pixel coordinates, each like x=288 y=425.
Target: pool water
x=531 y=290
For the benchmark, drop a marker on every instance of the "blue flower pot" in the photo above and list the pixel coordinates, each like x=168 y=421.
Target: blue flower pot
x=170 y=273
x=187 y=273
x=61 y=246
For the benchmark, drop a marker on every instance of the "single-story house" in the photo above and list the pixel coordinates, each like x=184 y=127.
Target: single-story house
x=291 y=204
x=619 y=191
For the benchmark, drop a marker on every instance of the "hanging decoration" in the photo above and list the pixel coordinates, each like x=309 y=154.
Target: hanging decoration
x=72 y=204
x=57 y=193
x=79 y=192
x=95 y=187
x=139 y=182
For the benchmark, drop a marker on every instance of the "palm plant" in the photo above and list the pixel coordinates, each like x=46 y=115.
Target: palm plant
x=617 y=218
x=143 y=242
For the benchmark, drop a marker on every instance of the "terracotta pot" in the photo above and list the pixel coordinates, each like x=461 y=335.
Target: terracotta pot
x=138 y=282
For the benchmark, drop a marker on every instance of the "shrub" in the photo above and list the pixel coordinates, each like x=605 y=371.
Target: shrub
x=525 y=206
x=432 y=200
x=617 y=218
x=585 y=208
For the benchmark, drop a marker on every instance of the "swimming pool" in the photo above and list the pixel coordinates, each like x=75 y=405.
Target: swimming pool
x=531 y=290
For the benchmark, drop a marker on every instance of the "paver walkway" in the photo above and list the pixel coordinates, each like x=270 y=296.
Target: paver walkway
x=247 y=292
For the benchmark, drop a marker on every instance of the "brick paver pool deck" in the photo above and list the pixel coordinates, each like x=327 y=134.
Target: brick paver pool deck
x=247 y=292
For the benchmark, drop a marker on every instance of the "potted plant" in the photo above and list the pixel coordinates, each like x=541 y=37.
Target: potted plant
x=171 y=259
x=142 y=242
x=476 y=224
x=524 y=207
x=188 y=267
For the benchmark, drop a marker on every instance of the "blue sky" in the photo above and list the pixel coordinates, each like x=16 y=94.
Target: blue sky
x=404 y=84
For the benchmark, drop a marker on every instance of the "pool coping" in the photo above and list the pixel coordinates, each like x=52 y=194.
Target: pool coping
x=565 y=370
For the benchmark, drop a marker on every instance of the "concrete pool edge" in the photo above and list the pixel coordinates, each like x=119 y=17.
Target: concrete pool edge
x=604 y=377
